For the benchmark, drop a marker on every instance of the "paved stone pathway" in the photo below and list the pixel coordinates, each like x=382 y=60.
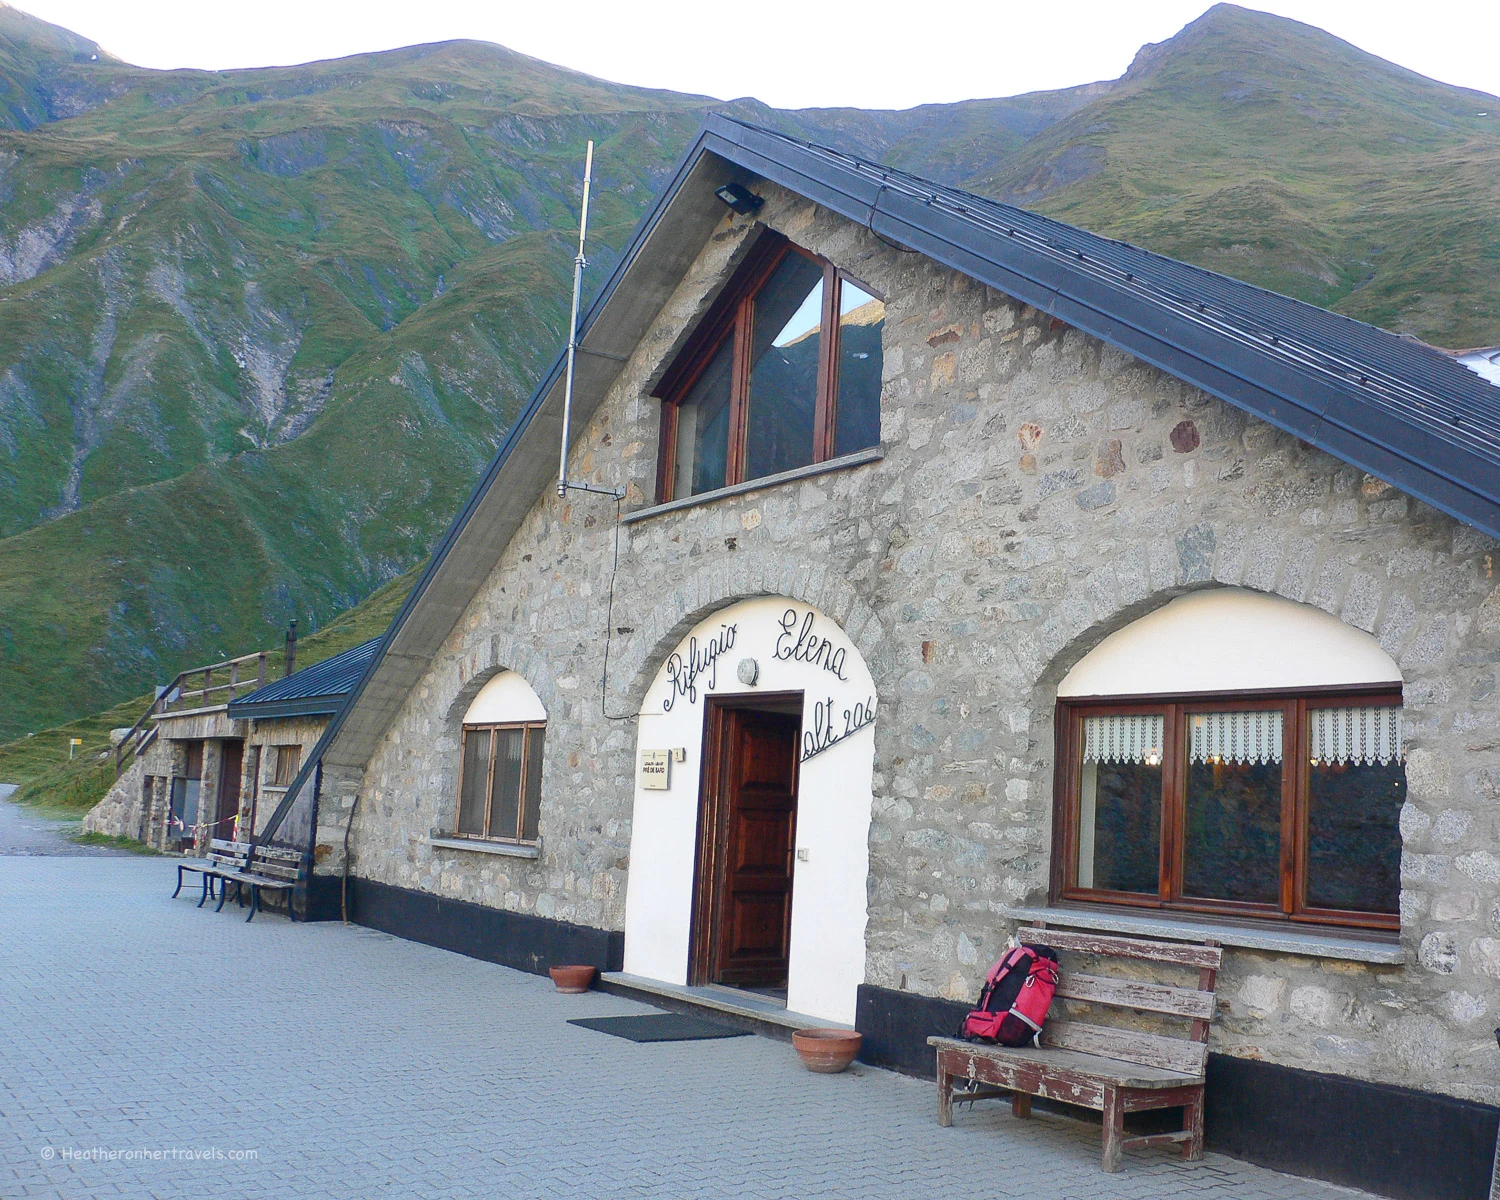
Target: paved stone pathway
x=25 y=831
x=214 y=1058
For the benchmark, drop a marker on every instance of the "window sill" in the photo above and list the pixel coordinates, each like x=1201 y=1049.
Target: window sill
x=477 y=846
x=1300 y=941
x=858 y=459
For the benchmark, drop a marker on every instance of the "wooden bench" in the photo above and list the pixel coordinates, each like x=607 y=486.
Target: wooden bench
x=1113 y=1069
x=261 y=869
x=223 y=856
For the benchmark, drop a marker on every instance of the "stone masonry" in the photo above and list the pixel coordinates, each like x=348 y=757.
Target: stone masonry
x=1038 y=491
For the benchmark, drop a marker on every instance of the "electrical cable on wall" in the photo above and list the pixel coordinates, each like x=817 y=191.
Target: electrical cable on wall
x=609 y=621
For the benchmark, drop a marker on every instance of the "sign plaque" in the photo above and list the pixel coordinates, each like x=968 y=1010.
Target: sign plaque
x=656 y=770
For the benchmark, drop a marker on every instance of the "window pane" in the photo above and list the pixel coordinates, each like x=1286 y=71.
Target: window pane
x=1232 y=848
x=535 y=738
x=785 y=340
x=856 y=423
x=703 y=428
x=1119 y=827
x=505 y=799
x=476 y=775
x=1356 y=785
x=288 y=759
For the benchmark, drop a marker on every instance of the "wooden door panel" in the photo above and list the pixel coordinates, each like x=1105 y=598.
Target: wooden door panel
x=760 y=821
x=763 y=763
x=761 y=847
x=231 y=765
x=755 y=923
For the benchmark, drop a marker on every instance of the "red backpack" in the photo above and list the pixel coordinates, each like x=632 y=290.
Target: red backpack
x=1017 y=994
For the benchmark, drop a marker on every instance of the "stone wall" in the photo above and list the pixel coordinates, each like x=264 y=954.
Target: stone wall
x=128 y=811
x=1038 y=491
x=124 y=810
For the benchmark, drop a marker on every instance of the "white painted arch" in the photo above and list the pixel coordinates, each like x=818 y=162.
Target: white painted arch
x=1229 y=639
x=507 y=699
x=834 y=801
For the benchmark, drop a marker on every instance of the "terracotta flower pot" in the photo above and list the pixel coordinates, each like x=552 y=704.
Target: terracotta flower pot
x=827 y=1051
x=572 y=979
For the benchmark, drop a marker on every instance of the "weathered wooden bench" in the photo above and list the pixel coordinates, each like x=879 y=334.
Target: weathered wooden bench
x=1114 y=1069
x=261 y=869
x=222 y=856
x=268 y=869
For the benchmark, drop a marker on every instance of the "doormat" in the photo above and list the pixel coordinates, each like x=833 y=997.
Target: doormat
x=660 y=1027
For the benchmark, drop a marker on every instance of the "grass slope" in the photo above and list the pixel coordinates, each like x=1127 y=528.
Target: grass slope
x=49 y=779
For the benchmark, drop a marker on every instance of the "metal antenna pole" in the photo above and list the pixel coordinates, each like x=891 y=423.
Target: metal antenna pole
x=578 y=264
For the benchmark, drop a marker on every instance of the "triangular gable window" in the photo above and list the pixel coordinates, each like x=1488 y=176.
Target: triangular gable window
x=783 y=372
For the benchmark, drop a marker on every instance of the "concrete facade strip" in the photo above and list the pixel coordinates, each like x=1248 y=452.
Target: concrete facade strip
x=812 y=470
x=1304 y=943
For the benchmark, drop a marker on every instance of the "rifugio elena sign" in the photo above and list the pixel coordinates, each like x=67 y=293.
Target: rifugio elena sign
x=696 y=668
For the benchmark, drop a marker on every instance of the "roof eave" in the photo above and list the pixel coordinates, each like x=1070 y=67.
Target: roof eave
x=307 y=706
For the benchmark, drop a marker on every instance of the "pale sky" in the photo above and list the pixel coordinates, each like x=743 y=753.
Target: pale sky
x=789 y=53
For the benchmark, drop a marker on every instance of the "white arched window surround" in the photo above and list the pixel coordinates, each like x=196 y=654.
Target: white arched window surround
x=500 y=771
x=1236 y=753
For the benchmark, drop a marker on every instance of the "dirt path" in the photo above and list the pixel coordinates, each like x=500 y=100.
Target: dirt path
x=25 y=831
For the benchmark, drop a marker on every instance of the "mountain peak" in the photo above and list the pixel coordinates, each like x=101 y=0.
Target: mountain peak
x=1232 y=38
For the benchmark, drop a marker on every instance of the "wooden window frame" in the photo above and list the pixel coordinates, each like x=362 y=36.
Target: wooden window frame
x=731 y=318
x=1292 y=906
x=492 y=728
x=253 y=769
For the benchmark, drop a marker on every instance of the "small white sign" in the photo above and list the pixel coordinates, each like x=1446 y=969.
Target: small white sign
x=656 y=770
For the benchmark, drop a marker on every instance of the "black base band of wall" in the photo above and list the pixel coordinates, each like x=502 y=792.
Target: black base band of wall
x=1394 y=1141
x=324 y=898
x=519 y=940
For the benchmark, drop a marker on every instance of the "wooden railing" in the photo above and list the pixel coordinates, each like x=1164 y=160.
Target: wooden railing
x=179 y=696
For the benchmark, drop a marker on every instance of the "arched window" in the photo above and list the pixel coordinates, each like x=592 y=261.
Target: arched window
x=783 y=372
x=500 y=778
x=1234 y=753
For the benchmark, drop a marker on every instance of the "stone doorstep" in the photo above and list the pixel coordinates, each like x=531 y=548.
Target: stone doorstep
x=742 y=1010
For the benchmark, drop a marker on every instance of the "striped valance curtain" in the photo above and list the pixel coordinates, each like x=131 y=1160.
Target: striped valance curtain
x=1125 y=739
x=1236 y=737
x=1360 y=736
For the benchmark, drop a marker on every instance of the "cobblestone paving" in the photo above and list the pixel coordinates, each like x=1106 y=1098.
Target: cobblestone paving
x=325 y=1061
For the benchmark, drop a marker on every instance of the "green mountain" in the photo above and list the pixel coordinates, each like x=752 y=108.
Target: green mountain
x=259 y=330
x=1273 y=152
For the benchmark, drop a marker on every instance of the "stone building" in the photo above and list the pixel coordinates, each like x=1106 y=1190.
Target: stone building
x=969 y=569
x=218 y=766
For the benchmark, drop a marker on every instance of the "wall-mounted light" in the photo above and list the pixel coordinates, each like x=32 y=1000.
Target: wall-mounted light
x=740 y=198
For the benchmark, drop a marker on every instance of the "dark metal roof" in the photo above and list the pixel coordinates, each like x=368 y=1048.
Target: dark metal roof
x=320 y=688
x=1399 y=409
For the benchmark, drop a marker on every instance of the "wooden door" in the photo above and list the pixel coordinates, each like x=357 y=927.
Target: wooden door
x=759 y=807
x=231 y=766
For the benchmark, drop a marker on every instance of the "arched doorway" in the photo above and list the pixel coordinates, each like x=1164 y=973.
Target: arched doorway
x=749 y=844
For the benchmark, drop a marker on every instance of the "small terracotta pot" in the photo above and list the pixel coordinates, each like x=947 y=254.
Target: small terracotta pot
x=827 y=1051
x=572 y=979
